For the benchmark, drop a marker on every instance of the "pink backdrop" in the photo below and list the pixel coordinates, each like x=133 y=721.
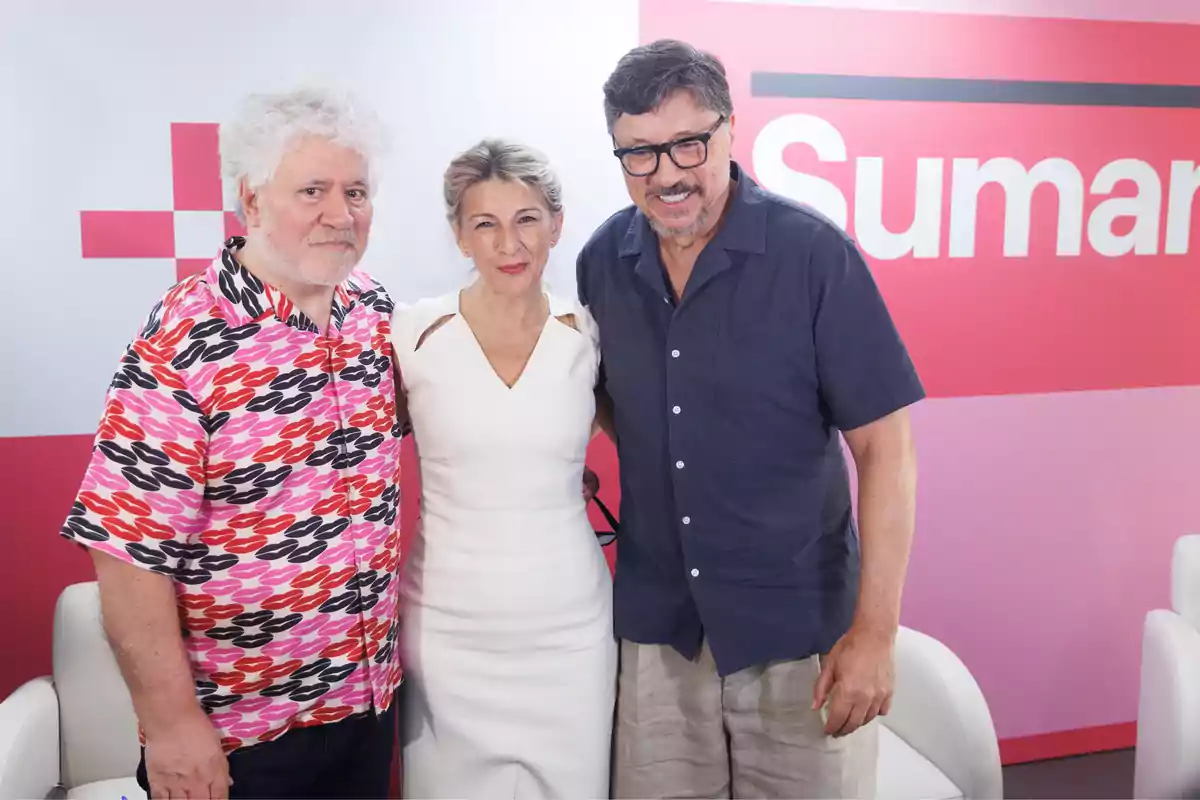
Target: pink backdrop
x=1058 y=455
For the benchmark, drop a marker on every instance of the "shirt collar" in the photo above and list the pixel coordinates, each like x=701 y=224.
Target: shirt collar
x=743 y=229
x=245 y=299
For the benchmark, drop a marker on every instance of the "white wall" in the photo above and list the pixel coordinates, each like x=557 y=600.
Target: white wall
x=90 y=91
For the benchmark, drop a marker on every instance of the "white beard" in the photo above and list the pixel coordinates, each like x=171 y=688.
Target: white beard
x=302 y=272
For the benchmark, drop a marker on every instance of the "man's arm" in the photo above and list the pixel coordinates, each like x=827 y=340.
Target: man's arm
x=857 y=678
x=138 y=460
x=604 y=414
x=184 y=757
x=868 y=382
x=141 y=619
x=603 y=421
x=886 y=461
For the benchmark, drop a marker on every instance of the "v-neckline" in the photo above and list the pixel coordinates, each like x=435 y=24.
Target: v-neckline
x=458 y=312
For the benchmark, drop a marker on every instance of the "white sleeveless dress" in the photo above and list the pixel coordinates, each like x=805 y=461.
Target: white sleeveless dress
x=506 y=633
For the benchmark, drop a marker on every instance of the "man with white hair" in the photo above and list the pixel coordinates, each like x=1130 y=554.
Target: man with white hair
x=241 y=501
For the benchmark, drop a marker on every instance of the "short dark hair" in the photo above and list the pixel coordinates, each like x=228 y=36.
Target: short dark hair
x=647 y=76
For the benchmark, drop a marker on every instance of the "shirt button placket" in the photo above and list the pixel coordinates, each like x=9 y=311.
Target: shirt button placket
x=676 y=410
x=360 y=552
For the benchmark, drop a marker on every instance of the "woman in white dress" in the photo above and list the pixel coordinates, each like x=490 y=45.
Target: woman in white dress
x=506 y=628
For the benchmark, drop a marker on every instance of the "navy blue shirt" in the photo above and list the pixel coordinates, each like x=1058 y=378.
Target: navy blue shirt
x=736 y=520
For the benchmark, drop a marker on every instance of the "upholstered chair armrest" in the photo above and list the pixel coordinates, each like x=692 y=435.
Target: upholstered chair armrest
x=939 y=711
x=1167 y=759
x=29 y=749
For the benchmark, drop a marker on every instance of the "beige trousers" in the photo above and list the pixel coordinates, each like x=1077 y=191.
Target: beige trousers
x=683 y=731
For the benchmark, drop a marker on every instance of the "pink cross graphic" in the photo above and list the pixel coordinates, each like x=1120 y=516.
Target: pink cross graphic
x=193 y=231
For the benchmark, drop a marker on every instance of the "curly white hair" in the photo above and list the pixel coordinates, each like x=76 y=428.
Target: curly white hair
x=255 y=140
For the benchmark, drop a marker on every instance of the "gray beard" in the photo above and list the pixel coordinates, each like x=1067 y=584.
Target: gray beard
x=690 y=231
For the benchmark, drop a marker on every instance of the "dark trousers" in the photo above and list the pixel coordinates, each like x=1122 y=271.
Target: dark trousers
x=347 y=760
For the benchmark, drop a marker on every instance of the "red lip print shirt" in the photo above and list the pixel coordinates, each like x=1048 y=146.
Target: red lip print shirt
x=256 y=462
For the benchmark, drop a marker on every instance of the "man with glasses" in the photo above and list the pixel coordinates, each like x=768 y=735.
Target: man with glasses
x=740 y=334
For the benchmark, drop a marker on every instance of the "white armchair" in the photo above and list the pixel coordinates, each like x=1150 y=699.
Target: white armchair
x=1167 y=760
x=939 y=741
x=76 y=731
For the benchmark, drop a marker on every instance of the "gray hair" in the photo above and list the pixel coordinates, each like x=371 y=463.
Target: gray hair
x=503 y=160
x=649 y=75
x=266 y=125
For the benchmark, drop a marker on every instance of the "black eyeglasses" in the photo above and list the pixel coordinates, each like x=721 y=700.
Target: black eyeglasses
x=688 y=152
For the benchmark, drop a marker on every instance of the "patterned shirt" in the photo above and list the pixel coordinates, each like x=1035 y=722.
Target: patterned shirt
x=256 y=462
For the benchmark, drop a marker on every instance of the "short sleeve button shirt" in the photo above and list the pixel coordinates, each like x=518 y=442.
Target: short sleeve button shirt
x=255 y=460
x=735 y=501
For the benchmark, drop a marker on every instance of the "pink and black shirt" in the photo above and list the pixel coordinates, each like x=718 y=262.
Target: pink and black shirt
x=255 y=460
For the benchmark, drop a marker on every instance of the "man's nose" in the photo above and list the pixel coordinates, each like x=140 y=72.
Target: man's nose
x=667 y=173
x=336 y=212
